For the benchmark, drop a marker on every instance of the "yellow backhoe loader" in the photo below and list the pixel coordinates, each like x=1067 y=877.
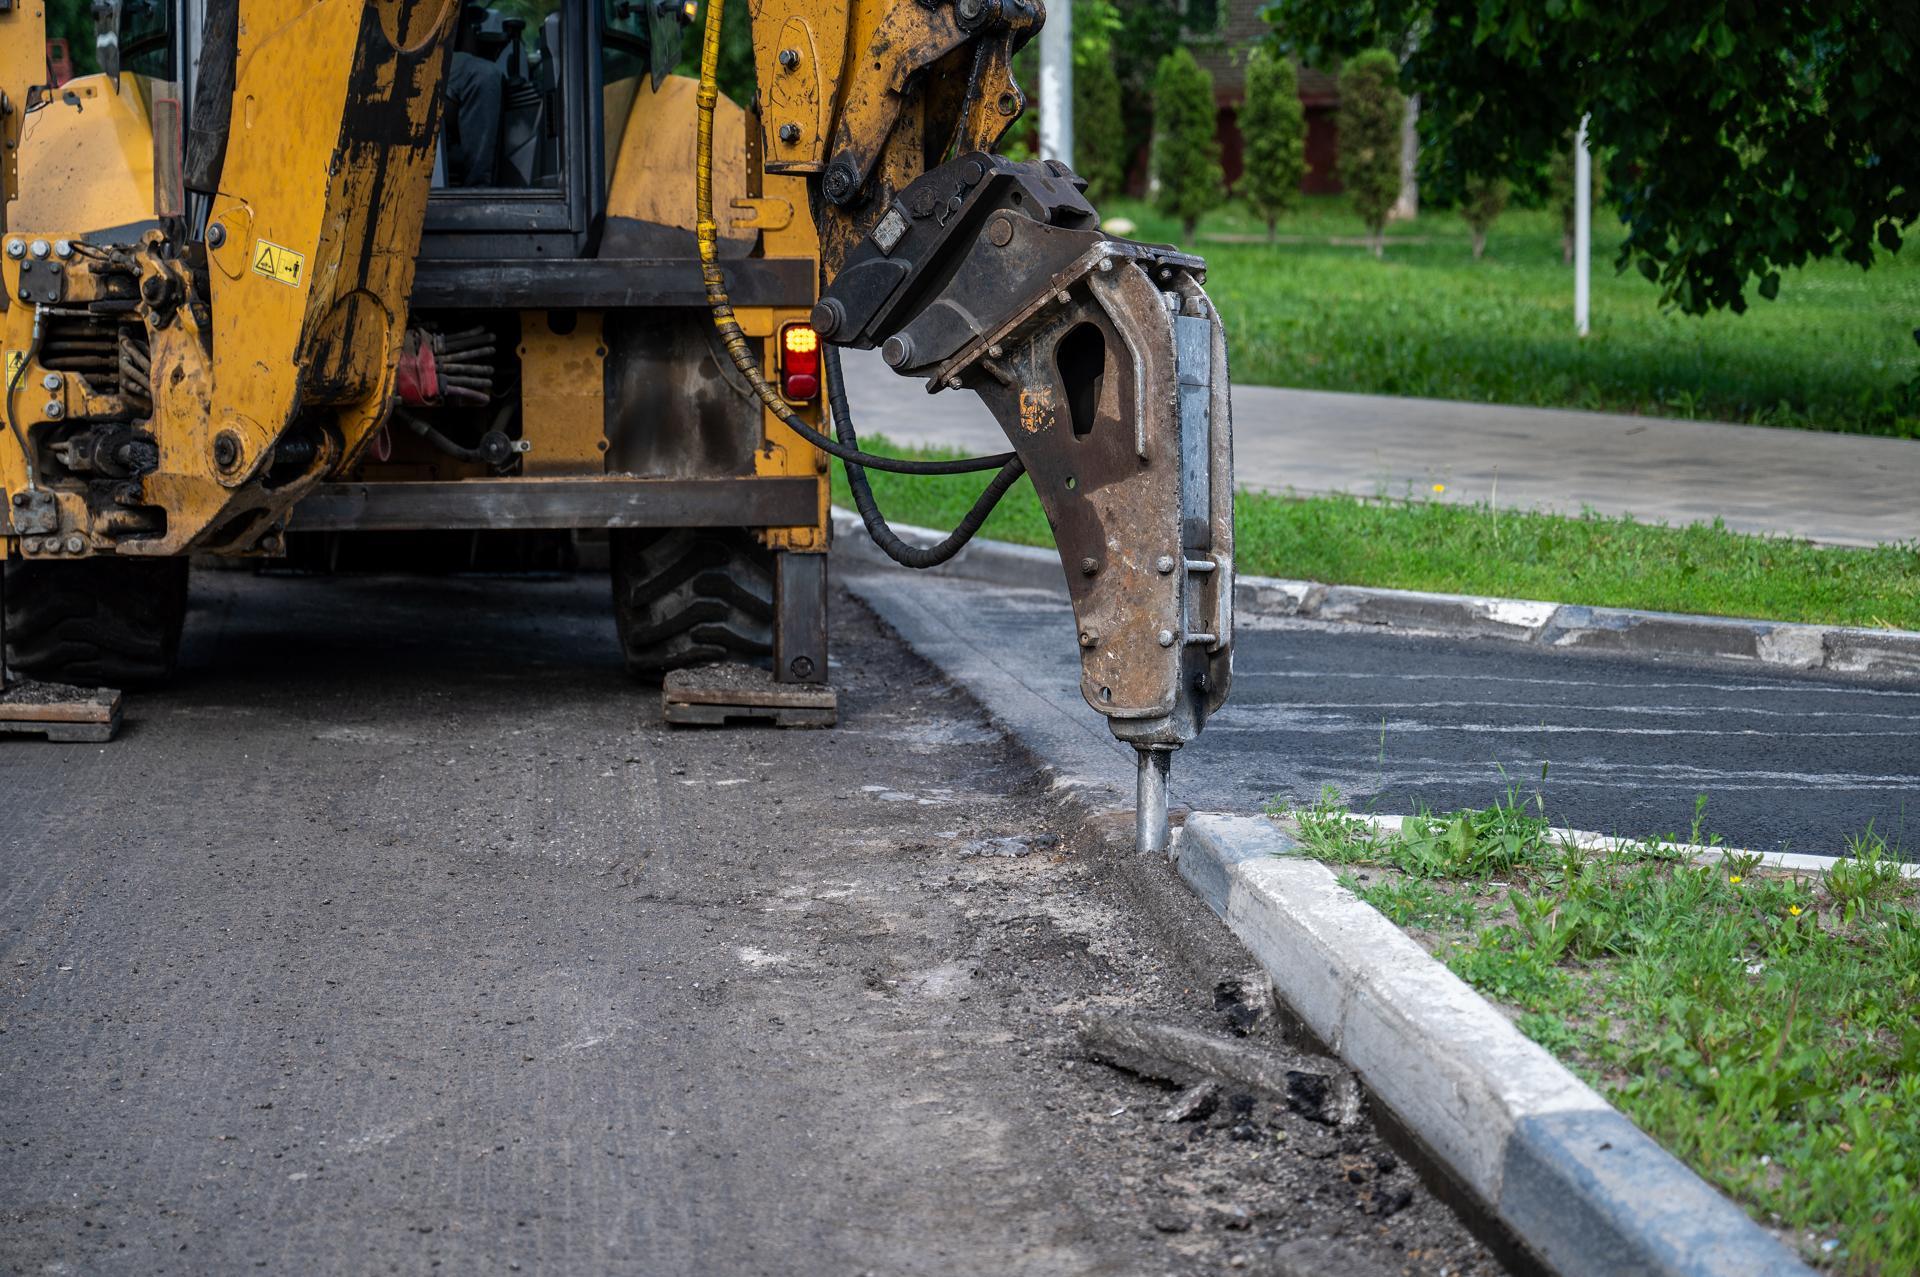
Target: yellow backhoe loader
x=289 y=273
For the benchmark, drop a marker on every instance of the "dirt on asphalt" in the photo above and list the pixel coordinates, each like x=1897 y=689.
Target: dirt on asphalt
x=401 y=935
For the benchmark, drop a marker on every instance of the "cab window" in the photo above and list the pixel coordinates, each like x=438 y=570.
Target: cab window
x=146 y=38
x=623 y=40
x=642 y=37
x=503 y=124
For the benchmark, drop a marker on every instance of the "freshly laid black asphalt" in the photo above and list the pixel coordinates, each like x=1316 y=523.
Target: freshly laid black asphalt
x=1398 y=724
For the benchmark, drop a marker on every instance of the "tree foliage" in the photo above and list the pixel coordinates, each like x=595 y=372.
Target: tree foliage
x=735 y=73
x=72 y=20
x=1149 y=30
x=1371 y=110
x=1740 y=139
x=1274 y=124
x=1186 y=150
x=1100 y=150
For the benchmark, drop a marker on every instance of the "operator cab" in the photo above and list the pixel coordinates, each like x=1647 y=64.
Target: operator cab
x=503 y=109
x=146 y=39
x=536 y=92
x=506 y=107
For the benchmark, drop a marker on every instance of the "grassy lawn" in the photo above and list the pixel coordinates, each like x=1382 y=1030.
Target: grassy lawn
x=1829 y=354
x=1597 y=561
x=1765 y=1028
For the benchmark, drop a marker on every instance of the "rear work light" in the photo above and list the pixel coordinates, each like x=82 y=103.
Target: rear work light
x=799 y=362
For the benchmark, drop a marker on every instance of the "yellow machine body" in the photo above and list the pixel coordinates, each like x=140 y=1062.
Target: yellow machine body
x=310 y=248
x=89 y=161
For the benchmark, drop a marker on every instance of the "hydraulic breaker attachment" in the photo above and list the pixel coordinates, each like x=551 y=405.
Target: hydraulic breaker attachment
x=1105 y=364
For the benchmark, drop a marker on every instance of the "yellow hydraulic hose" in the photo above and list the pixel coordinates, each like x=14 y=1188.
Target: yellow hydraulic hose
x=707 y=234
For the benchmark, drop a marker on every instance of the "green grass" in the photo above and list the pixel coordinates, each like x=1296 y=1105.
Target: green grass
x=1765 y=1028
x=1832 y=353
x=1596 y=561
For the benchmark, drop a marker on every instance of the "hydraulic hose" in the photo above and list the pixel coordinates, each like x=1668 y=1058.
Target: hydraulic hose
x=900 y=551
x=439 y=441
x=13 y=384
x=728 y=327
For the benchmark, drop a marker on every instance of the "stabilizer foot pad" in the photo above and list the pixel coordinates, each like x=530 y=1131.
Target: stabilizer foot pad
x=64 y=714
x=714 y=695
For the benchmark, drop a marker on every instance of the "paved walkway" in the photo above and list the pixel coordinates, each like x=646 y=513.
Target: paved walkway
x=1841 y=489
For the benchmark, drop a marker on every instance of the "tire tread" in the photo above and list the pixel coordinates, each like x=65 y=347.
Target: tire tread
x=101 y=622
x=691 y=596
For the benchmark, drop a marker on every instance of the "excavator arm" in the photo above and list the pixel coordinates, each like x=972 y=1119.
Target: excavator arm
x=1102 y=359
x=323 y=128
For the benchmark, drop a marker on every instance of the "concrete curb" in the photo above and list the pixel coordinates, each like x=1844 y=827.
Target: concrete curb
x=1587 y=1191
x=1886 y=654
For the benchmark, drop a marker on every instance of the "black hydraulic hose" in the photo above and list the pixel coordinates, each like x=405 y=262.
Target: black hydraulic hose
x=852 y=456
x=434 y=437
x=885 y=537
x=855 y=458
x=13 y=384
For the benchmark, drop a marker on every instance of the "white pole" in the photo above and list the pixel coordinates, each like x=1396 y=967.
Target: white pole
x=1056 y=85
x=1582 y=227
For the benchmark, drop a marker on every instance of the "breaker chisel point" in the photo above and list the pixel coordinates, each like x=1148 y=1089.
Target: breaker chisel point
x=1150 y=806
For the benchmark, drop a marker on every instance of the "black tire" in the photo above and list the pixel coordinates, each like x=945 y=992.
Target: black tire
x=691 y=596
x=105 y=622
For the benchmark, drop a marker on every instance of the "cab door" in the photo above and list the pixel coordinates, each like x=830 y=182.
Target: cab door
x=520 y=171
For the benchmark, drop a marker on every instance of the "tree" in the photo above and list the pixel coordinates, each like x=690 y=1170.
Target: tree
x=1371 y=109
x=1407 y=206
x=1186 y=150
x=735 y=73
x=1274 y=125
x=1486 y=199
x=1148 y=31
x=72 y=20
x=1100 y=150
x=1738 y=141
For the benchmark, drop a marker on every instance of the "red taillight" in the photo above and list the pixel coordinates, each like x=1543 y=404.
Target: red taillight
x=799 y=362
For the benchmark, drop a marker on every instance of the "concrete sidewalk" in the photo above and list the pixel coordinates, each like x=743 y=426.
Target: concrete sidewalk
x=1840 y=489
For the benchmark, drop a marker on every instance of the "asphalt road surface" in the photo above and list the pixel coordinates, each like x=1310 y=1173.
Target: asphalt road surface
x=400 y=935
x=1400 y=724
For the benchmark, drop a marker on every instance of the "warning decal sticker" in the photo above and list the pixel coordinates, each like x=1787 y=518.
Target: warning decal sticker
x=276 y=261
